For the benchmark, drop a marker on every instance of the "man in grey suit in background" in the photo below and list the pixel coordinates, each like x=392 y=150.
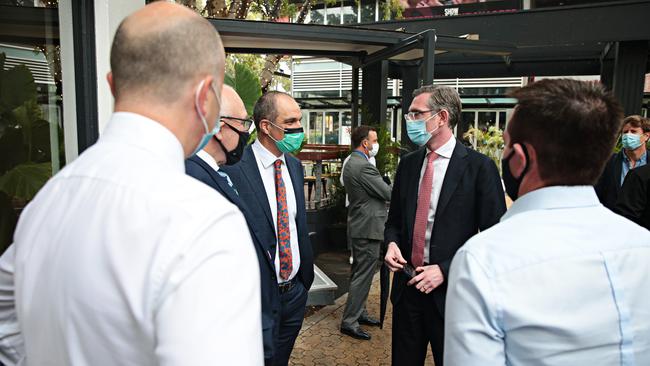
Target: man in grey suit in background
x=368 y=194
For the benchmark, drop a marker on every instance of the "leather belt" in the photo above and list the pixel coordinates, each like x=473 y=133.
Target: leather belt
x=286 y=286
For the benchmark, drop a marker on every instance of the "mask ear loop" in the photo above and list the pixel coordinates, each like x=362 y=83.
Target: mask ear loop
x=435 y=129
x=196 y=105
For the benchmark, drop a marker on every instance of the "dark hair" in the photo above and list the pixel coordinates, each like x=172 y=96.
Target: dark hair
x=265 y=107
x=359 y=134
x=573 y=126
x=442 y=97
x=637 y=122
x=161 y=62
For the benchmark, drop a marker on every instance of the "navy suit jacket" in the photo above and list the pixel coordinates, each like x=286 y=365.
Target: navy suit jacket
x=608 y=186
x=471 y=200
x=199 y=169
x=251 y=190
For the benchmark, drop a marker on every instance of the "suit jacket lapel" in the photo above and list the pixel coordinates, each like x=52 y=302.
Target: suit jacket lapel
x=454 y=173
x=252 y=173
x=618 y=170
x=413 y=178
x=295 y=172
x=220 y=182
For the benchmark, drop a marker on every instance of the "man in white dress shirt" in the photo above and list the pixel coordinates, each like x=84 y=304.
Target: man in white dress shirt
x=122 y=259
x=561 y=280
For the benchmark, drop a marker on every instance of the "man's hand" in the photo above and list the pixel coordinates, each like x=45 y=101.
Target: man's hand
x=428 y=279
x=393 y=258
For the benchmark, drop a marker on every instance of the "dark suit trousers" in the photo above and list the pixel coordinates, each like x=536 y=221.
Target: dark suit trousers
x=292 y=312
x=416 y=324
x=366 y=255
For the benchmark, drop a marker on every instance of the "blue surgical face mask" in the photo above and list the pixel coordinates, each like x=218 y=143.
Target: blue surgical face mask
x=417 y=130
x=217 y=124
x=630 y=141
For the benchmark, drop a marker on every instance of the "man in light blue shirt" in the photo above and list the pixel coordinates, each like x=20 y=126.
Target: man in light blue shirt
x=561 y=280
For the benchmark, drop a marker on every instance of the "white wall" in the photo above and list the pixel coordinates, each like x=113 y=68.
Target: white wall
x=108 y=15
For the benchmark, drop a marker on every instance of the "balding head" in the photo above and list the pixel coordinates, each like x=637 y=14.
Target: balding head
x=231 y=104
x=161 y=50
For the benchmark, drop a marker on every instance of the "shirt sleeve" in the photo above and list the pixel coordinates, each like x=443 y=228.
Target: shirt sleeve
x=472 y=334
x=11 y=340
x=211 y=313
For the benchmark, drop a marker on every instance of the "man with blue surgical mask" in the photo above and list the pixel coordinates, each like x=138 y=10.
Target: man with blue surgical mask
x=270 y=182
x=444 y=193
x=634 y=136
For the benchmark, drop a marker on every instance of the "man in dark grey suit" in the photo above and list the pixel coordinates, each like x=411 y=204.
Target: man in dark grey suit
x=367 y=213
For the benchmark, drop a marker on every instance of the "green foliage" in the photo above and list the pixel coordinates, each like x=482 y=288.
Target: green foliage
x=16 y=87
x=388 y=153
x=25 y=165
x=391 y=9
x=8 y=221
x=24 y=180
x=246 y=84
x=488 y=142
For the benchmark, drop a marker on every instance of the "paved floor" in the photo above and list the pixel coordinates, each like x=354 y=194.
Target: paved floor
x=321 y=343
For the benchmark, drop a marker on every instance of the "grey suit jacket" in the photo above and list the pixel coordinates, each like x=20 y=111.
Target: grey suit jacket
x=368 y=194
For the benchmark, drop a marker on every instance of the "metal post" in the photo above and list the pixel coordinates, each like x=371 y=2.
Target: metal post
x=318 y=188
x=355 y=97
x=429 y=48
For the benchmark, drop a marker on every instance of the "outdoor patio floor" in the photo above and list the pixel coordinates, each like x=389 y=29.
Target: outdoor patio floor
x=321 y=343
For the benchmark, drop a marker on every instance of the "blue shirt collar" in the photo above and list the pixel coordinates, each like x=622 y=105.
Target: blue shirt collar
x=554 y=197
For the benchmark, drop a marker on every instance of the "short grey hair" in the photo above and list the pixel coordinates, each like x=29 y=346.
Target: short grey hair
x=265 y=107
x=162 y=62
x=442 y=97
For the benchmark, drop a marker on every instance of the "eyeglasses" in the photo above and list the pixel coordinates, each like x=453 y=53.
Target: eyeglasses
x=246 y=122
x=411 y=116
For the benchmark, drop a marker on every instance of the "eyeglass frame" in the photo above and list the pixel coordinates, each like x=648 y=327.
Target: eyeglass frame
x=245 y=122
x=410 y=115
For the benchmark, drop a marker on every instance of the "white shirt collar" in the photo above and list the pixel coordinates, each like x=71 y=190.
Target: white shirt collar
x=554 y=197
x=447 y=149
x=266 y=157
x=208 y=159
x=144 y=133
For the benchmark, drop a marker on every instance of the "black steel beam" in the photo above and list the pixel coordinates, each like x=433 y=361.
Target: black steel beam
x=629 y=74
x=428 y=59
x=301 y=52
x=310 y=32
x=601 y=22
x=85 y=69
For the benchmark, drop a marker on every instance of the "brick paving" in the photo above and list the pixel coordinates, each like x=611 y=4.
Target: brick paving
x=320 y=342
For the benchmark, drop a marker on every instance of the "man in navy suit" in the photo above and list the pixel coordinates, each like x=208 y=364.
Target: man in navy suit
x=270 y=182
x=207 y=166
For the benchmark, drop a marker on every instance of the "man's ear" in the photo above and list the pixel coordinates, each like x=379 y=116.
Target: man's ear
x=518 y=161
x=202 y=94
x=444 y=115
x=111 y=83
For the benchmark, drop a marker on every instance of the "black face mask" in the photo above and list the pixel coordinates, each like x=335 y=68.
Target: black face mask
x=512 y=184
x=235 y=154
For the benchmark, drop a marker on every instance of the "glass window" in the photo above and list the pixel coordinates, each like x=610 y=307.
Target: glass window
x=467 y=121
x=315 y=133
x=486 y=119
x=31 y=122
x=346 y=128
x=334 y=14
x=502 y=120
x=349 y=13
x=332 y=128
x=317 y=16
x=368 y=11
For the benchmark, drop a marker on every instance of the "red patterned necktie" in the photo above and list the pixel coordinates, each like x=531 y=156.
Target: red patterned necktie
x=284 y=242
x=422 y=212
